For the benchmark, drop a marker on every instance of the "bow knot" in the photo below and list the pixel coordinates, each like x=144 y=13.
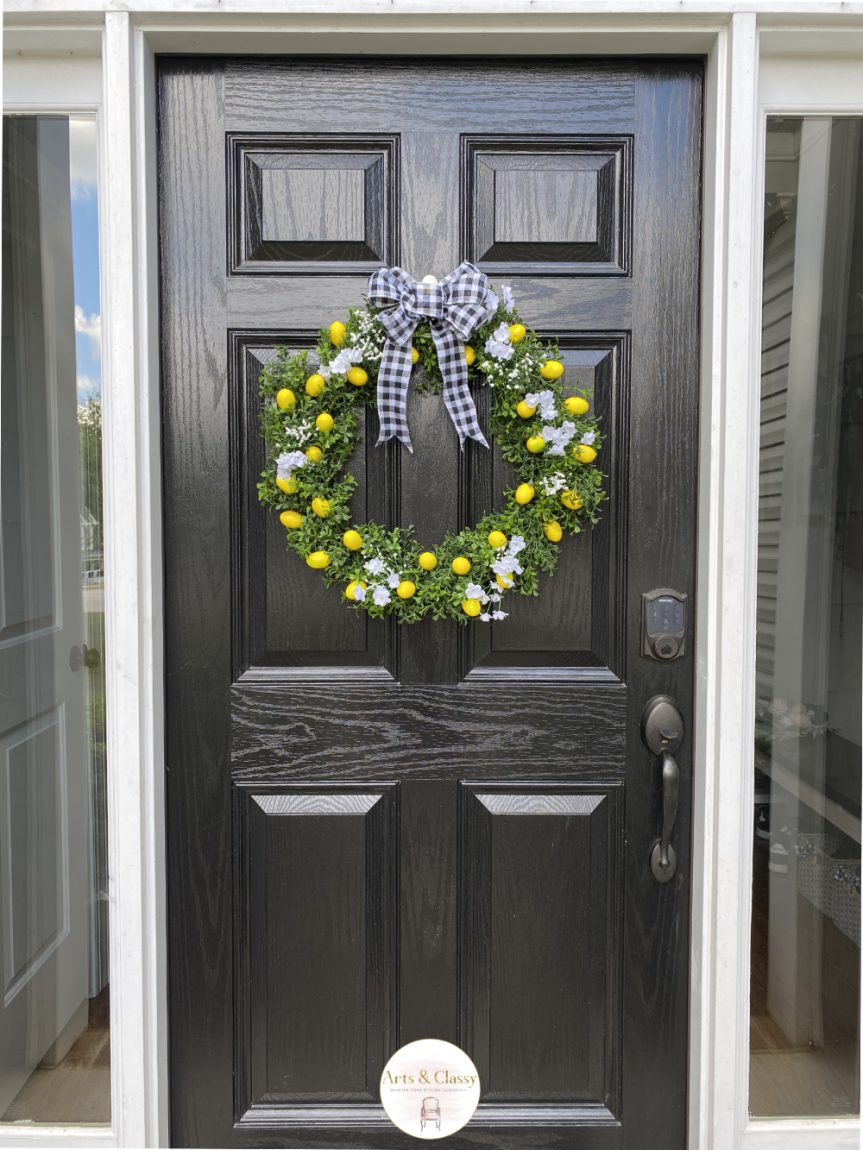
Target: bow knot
x=454 y=309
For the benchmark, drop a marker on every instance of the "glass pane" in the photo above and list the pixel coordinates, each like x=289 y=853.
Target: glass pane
x=54 y=1044
x=804 y=1037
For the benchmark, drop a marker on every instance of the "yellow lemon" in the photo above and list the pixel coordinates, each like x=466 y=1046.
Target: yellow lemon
x=321 y=507
x=461 y=565
x=415 y=355
x=469 y=355
x=525 y=409
x=318 y=559
x=471 y=607
x=576 y=405
x=285 y=399
x=406 y=589
x=315 y=384
x=535 y=444
x=289 y=486
x=338 y=331
x=524 y=493
x=351 y=589
x=352 y=540
x=571 y=500
x=290 y=519
x=496 y=539
x=357 y=376
x=325 y=422
x=584 y=453
x=551 y=369
x=428 y=560
x=503 y=581
x=314 y=454
x=553 y=531
x=517 y=332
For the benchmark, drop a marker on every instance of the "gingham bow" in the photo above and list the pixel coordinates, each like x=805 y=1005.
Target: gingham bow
x=454 y=308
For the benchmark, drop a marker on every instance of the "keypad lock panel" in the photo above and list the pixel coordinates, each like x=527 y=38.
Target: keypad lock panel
x=663 y=624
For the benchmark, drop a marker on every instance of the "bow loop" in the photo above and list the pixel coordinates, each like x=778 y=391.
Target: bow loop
x=454 y=309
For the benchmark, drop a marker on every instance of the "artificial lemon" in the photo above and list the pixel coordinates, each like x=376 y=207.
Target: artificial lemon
x=553 y=531
x=503 y=581
x=325 y=422
x=321 y=507
x=525 y=409
x=406 y=589
x=352 y=540
x=517 y=332
x=535 y=444
x=415 y=355
x=571 y=500
x=576 y=405
x=318 y=559
x=471 y=607
x=314 y=454
x=428 y=560
x=289 y=486
x=551 y=369
x=584 y=453
x=461 y=565
x=290 y=519
x=524 y=493
x=351 y=589
x=496 y=539
x=469 y=355
x=357 y=376
x=285 y=398
x=338 y=331
x=315 y=384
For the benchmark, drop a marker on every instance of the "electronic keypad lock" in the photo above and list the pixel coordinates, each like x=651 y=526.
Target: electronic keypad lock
x=663 y=624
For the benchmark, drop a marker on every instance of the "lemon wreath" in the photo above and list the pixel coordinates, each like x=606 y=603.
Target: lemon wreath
x=311 y=422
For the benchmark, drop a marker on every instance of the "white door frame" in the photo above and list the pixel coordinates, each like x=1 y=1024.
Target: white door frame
x=734 y=37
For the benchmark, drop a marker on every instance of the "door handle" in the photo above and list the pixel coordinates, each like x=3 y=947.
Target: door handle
x=662 y=732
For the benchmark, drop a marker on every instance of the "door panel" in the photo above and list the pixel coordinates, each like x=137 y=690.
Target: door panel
x=381 y=834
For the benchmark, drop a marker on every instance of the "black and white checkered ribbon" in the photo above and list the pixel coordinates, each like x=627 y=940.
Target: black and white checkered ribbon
x=454 y=309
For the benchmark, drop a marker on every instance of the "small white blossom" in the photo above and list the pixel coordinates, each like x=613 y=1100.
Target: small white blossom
x=376 y=566
x=497 y=345
x=491 y=303
x=344 y=361
x=499 y=614
x=393 y=580
x=559 y=437
x=381 y=596
x=588 y=437
x=485 y=617
x=474 y=591
x=508 y=298
x=545 y=401
x=359 y=593
x=289 y=461
x=551 y=484
x=516 y=544
x=325 y=371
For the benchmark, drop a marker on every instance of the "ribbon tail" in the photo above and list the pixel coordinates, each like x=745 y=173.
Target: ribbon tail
x=393 y=379
x=456 y=396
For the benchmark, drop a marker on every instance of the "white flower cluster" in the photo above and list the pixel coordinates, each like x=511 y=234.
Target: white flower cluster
x=288 y=462
x=545 y=401
x=508 y=297
x=370 y=338
x=380 y=593
x=558 y=437
x=498 y=344
x=341 y=363
x=474 y=591
x=507 y=564
x=551 y=484
x=297 y=434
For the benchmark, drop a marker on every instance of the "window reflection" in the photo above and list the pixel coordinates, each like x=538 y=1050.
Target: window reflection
x=54 y=1036
x=806 y=882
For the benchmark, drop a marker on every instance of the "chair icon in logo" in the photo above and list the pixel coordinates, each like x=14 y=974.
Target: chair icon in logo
x=430 y=1112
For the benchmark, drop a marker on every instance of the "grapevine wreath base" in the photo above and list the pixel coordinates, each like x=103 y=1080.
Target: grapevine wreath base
x=312 y=415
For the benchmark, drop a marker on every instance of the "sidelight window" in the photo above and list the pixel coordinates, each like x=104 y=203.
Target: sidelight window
x=805 y=976
x=54 y=1037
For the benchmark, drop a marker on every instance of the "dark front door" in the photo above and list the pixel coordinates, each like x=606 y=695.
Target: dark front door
x=381 y=834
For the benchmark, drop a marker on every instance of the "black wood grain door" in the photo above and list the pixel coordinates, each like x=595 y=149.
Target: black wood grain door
x=378 y=835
